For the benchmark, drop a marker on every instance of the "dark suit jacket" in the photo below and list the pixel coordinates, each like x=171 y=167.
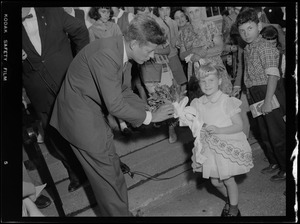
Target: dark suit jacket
x=94 y=87
x=43 y=74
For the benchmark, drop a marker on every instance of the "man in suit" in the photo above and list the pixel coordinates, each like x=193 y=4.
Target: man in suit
x=79 y=14
x=96 y=85
x=46 y=57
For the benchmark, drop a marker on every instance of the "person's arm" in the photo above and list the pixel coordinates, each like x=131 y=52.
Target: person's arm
x=270 y=64
x=237 y=126
x=162 y=50
x=271 y=87
x=76 y=30
x=91 y=35
x=238 y=79
x=121 y=103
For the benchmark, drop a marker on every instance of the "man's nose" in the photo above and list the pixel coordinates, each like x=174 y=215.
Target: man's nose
x=151 y=55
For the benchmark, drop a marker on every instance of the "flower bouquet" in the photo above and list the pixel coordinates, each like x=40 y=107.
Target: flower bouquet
x=164 y=94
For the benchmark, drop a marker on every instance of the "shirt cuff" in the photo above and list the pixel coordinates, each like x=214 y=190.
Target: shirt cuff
x=148 y=118
x=273 y=71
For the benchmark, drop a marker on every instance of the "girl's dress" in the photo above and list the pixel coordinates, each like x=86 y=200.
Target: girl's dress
x=225 y=155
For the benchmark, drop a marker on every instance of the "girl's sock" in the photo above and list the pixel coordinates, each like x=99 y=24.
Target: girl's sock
x=233 y=210
x=227 y=204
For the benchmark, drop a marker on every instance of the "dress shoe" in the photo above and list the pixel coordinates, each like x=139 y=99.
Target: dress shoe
x=272 y=168
x=280 y=176
x=127 y=132
x=42 y=202
x=74 y=185
x=225 y=210
x=231 y=215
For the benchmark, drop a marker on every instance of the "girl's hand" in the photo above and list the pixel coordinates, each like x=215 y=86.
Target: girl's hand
x=211 y=129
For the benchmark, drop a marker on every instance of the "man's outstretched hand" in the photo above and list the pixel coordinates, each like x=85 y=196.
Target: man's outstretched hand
x=164 y=112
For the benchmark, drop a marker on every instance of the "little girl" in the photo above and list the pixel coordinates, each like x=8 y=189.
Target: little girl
x=221 y=150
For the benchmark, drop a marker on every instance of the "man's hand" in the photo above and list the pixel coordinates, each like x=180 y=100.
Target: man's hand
x=165 y=112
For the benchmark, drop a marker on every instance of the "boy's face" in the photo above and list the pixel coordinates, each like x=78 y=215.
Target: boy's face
x=249 y=31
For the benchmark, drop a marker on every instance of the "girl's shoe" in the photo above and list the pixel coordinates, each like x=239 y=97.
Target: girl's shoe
x=225 y=210
x=230 y=215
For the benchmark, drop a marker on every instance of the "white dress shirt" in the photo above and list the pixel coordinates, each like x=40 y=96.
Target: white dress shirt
x=32 y=29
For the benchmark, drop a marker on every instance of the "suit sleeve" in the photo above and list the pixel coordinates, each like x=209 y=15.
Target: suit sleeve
x=106 y=74
x=76 y=30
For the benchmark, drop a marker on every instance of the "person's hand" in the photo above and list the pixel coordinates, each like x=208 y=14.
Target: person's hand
x=233 y=48
x=195 y=58
x=164 y=112
x=211 y=129
x=266 y=108
x=236 y=91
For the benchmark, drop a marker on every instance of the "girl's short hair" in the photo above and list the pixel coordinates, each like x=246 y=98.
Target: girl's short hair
x=205 y=70
x=94 y=12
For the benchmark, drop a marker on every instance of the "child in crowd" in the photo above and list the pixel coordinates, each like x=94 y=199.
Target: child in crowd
x=221 y=150
x=261 y=79
x=103 y=27
x=271 y=33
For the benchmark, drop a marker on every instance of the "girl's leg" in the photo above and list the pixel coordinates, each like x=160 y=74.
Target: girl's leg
x=233 y=194
x=223 y=190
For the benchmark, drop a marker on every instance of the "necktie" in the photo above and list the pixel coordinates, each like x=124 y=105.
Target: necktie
x=27 y=17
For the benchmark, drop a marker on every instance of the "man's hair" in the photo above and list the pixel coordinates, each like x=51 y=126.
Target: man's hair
x=145 y=29
x=247 y=15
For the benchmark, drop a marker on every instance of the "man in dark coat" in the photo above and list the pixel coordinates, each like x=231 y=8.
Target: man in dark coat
x=96 y=85
x=46 y=57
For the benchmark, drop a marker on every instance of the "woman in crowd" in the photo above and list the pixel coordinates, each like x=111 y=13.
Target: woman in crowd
x=202 y=40
x=103 y=27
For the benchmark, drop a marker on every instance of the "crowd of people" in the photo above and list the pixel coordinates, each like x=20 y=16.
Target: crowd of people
x=82 y=67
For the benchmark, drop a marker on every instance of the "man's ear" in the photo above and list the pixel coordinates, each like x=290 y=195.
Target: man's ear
x=133 y=44
x=220 y=81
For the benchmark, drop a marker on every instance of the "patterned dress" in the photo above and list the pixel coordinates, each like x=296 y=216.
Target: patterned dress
x=221 y=155
x=202 y=36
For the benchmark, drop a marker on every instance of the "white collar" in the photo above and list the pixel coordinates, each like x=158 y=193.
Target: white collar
x=214 y=99
x=125 y=56
x=32 y=12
